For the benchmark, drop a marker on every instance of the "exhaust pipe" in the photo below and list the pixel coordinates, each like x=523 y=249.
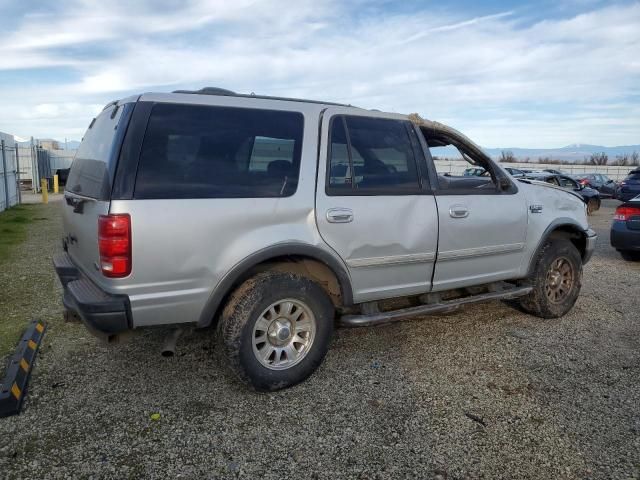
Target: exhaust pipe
x=169 y=347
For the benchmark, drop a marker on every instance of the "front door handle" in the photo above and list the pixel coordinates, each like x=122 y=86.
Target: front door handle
x=339 y=215
x=459 y=211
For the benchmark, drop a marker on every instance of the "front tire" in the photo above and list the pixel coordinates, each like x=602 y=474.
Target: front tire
x=276 y=330
x=556 y=280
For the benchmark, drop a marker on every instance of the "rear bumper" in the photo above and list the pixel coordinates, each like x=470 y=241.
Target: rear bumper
x=623 y=238
x=590 y=245
x=101 y=312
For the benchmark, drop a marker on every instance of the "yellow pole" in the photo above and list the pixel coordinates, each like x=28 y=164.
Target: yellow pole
x=45 y=190
x=55 y=184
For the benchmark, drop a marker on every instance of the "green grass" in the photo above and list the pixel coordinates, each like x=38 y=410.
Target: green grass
x=13 y=228
x=13 y=231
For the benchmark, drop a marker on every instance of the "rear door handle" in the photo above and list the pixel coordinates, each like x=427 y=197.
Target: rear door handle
x=339 y=215
x=458 y=211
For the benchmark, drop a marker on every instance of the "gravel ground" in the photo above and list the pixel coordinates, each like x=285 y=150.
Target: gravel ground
x=486 y=393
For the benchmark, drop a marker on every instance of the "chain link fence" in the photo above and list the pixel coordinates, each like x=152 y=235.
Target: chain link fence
x=9 y=175
x=23 y=167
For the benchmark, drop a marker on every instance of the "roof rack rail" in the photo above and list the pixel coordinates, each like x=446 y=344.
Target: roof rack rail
x=114 y=102
x=209 y=91
x=228 y=93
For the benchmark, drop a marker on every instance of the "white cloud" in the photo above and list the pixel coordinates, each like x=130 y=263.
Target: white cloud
x=554 y=82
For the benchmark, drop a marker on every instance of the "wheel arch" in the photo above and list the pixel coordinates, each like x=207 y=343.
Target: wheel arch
x=319 y=265
x=561 y=228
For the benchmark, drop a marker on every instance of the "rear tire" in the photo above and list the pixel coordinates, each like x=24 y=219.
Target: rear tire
x=276 y=330
x=556 y=280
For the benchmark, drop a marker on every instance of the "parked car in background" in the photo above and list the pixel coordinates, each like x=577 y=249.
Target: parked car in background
x=625 y=229
x=553 y=170
x=515 y=172
x=590 y=196
x=629 y=187
x=606 y=186
x=475 y=172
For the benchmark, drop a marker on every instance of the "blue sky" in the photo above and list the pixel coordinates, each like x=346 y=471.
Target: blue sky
x=527 y=74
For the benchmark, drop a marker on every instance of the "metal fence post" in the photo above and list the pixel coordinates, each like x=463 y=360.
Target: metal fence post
x=4 y=174
x=18 y=175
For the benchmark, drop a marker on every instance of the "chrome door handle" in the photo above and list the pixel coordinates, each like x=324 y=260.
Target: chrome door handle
x=339 y=215
x=458 y=211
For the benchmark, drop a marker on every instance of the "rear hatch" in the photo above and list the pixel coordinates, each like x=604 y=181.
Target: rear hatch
x=88 y=189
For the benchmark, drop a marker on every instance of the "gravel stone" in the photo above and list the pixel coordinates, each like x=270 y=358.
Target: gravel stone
x=559 y=398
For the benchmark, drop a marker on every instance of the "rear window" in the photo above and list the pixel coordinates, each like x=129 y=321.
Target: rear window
x=94 y=165
x=633 y=176
x=195 y=151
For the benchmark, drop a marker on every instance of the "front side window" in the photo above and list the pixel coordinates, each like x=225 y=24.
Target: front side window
x=371 y=155
x=195 y=151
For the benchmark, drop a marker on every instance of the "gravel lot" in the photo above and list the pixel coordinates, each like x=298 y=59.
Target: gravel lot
x=486 y=393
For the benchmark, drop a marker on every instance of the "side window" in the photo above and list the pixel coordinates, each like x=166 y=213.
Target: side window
x=371 y=156
x=567 y=182
x=267 y=150
x=478 y=177
x=195 y=151
x=339 y=163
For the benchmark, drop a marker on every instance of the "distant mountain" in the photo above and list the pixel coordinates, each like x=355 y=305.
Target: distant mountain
x=570 y=153
x=71 y=144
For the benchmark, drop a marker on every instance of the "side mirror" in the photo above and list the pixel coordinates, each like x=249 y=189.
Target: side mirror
x=504 y=183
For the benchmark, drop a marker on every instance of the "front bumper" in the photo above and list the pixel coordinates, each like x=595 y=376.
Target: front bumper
x=103 y=313
x=590 y=245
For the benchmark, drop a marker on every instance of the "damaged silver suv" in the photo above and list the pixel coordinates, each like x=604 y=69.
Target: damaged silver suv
x=276 y=219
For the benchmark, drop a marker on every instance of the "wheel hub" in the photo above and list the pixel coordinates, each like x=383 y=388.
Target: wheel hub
x=560 y=279
x=283 y=334
x=279 y=331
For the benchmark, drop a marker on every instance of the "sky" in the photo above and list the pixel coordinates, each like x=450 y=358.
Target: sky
x=535 y=74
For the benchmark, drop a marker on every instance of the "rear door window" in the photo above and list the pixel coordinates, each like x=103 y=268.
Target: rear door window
x=195 y=151
x=371 y=156
x=93 y=167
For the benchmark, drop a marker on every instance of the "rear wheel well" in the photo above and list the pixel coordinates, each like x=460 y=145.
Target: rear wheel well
x=305 y=266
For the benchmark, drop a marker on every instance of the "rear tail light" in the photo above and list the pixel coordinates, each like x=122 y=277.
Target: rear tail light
x=114 y=242
x=584 y=181
x=625 y=213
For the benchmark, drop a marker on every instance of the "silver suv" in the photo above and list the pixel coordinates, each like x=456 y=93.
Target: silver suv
x=276 y=218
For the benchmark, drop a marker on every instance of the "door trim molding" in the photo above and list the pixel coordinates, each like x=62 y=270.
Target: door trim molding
x=392 y=260
x=480 y=251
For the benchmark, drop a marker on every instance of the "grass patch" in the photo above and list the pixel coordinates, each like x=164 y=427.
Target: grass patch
x=13 y=228
x=13 y=231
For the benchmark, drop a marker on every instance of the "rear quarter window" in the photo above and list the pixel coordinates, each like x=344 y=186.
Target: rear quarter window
x=93 y=167
x=196 y=151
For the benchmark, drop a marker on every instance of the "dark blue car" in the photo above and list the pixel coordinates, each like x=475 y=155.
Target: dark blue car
x=625 y=229
x=630 y=186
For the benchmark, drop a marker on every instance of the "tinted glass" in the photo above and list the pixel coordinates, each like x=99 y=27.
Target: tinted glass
x=381 y=157
x=382 y=154
x=567 y=182
x=339 y=165
x=93 y=167
x=633 y=176
x=194 y=151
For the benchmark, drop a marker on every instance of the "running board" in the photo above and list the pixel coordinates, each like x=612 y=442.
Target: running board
x=380 y=318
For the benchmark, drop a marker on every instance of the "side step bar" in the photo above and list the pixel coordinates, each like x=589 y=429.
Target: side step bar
x=380 y=318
